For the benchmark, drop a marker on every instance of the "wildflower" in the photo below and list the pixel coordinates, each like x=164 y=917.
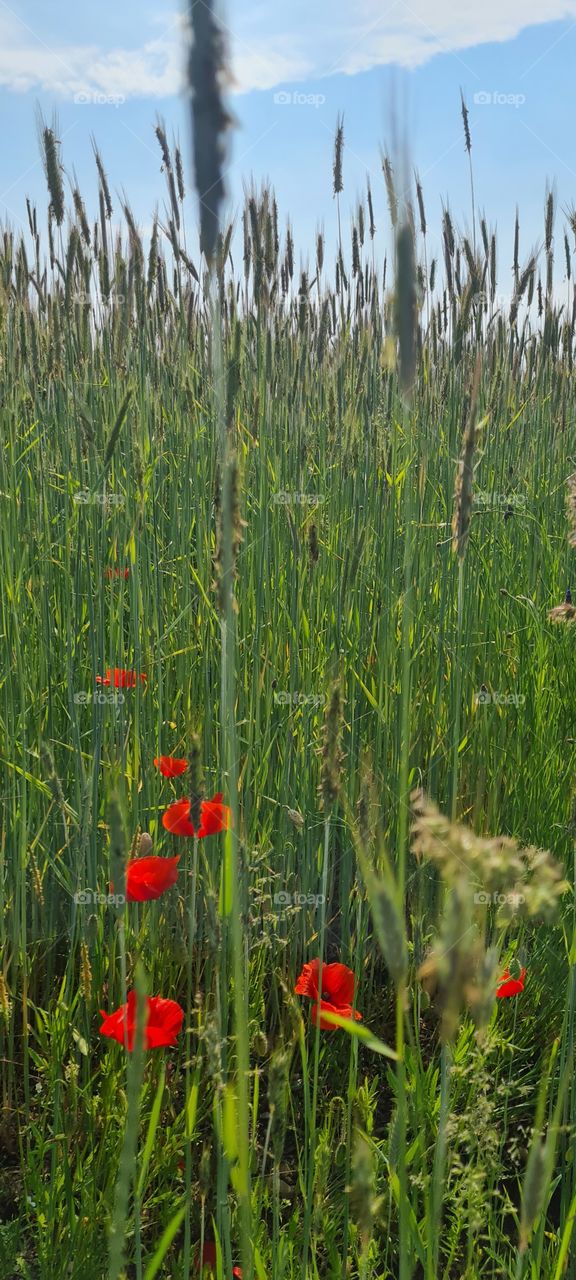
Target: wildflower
x=149 y=878
x=214 y=817
x=120 y=678
x=163 y=1022
x=510 y=986
x=171 y=766
x=335 y=996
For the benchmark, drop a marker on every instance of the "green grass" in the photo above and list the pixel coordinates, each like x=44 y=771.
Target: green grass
x=352 y=1156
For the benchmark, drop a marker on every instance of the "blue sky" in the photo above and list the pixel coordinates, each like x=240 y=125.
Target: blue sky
x=109 y=70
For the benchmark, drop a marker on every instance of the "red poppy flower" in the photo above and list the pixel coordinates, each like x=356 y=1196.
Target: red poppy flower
x=171 y=766
x=149 y=878
x=510 y=986
x=336 y=995
x=163 y=1022
x=214 y=817
x=121 y=678
x=209 y=1260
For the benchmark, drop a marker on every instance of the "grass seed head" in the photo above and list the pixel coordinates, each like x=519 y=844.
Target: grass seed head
x=535 y=1182
x=406 y=306
x=196 y=780
x=85 y=972
x=36 y=880
x=331 y=751
x=338 y=184
x=465 y=121
x=278 y=1092
x=50 y=147
x=5 y=1002
x=313 y=548
x=362 y=1187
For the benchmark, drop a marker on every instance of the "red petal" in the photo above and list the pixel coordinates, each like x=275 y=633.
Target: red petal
x=176 y=819
x=164 y=1020
x=171 y=766
x=338 y=983
x=116 y=1024
x=149 y=878
x=307 y=984
x=214 y=816
x=510 y=986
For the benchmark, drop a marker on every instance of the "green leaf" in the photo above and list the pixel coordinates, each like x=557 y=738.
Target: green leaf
x=361 y=1033
x=150 y=1136
x=166 y=1240
x=191 y=1107
x=80 y=1041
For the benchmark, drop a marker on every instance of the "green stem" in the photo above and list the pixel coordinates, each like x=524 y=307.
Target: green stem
x=312 y=1127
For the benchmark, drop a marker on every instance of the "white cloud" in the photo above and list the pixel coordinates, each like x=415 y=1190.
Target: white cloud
x=337 y=36
x=27 y=62
x=323 y=37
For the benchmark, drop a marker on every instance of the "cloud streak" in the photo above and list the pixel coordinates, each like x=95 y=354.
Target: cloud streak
x=273 y=45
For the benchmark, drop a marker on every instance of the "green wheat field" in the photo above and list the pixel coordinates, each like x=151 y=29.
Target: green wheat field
x=309 y=531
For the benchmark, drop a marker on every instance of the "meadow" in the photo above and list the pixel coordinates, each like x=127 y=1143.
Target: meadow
x=306 y=527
